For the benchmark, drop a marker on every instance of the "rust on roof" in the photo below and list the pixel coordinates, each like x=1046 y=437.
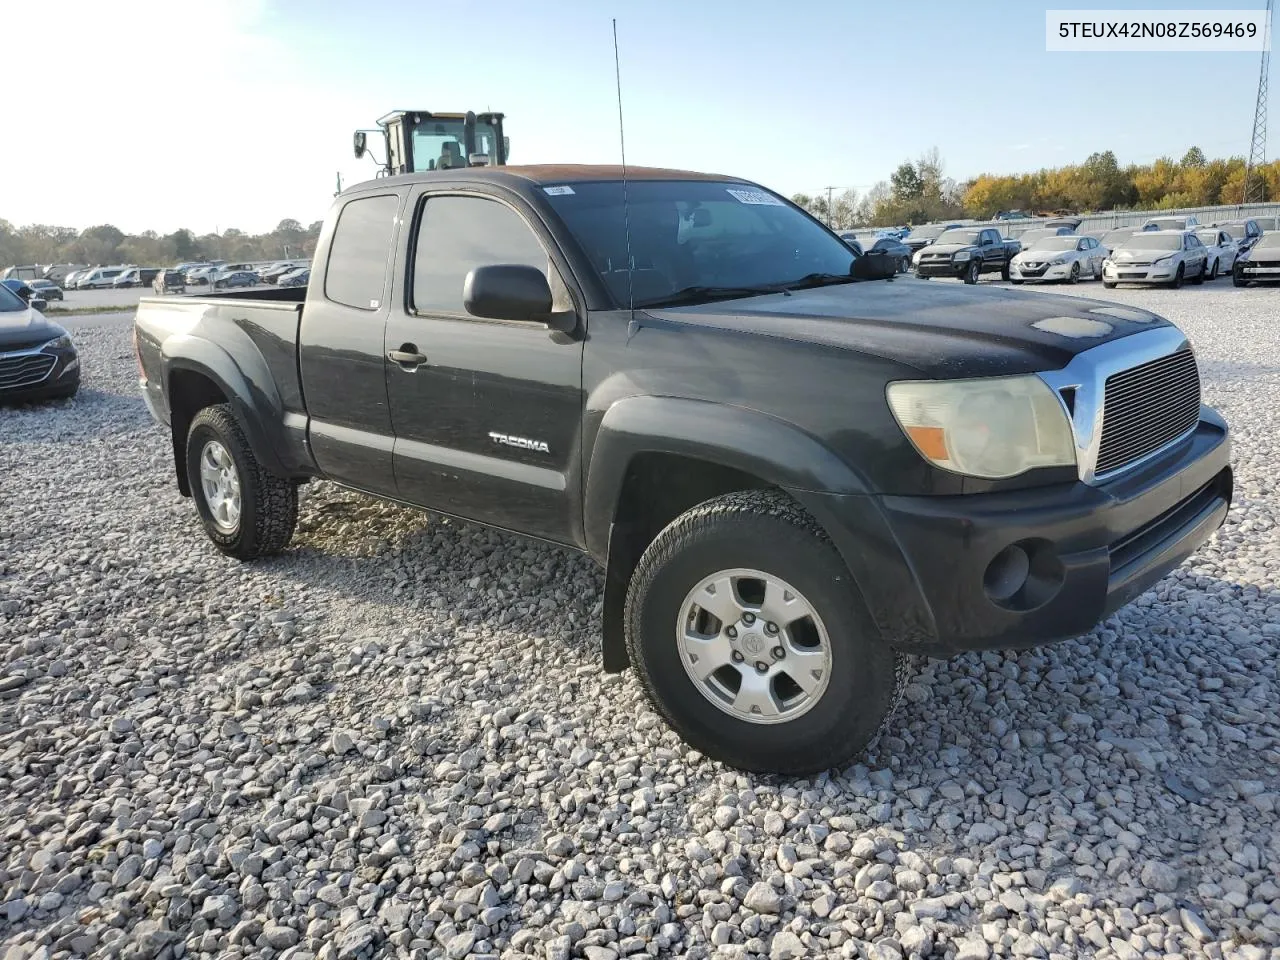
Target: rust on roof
x=548 y=172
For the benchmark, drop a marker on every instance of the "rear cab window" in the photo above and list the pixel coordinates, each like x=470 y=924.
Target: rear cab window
x=360 y=252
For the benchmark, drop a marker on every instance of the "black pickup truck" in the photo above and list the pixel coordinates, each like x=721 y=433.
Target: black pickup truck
x=967 y=253
x=793 y=479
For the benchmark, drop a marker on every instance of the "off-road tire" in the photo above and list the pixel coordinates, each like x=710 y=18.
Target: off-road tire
x=268 y=504
x=770 y=532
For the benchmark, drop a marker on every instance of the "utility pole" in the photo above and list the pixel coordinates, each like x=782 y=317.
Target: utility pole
x=829 y=191
x=1253 y=184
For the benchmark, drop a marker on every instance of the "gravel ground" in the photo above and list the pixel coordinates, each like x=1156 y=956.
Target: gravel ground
x=395 y=740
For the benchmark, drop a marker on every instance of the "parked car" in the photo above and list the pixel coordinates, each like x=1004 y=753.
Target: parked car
x=1245 y=232
x=295 y=278
x=1113 y=238
x=1220 y=249
x=236 y=278
x=1039 y=233
x=1157 y=256
x=1261 y=264
x=927 y=233
x=203 y=275
x=169 y=280
x=98 y=278
x=1267 y=223
x=46 y=290
x=895 y=249
x=906 y=479
x=966 y=253
x=38 y=361
x=135 y=277
x=1181 y=222
x=1063 y=258
x=71 y=279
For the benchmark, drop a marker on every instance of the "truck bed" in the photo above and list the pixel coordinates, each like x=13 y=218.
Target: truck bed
x=263 y=322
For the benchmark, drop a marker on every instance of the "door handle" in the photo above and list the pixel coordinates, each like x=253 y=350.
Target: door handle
x=407 y=355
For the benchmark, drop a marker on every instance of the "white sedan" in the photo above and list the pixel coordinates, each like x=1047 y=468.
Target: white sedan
x=1157 y=256
x=1221 y=249
x=1066 y=258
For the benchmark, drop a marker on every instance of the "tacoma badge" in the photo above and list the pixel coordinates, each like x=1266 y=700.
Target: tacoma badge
x=524 y=443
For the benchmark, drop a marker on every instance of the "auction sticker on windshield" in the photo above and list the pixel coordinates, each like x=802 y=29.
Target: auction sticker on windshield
x=754 y=196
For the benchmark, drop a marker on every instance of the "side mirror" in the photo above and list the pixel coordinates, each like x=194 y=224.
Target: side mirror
x=38 y=303
x=359 y=143
x=508 y=291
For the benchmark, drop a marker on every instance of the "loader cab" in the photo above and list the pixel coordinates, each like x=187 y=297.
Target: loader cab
x=418 y=140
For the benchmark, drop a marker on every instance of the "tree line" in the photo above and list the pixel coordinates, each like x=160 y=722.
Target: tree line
x=105 y=244
x=919 y=192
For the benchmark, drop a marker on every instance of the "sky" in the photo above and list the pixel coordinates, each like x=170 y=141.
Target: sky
x=160 y=114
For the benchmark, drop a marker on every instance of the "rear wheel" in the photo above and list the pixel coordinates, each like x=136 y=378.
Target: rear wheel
x=1202 y=273
x=972 y=272
x=752 y=641
x=247 y=512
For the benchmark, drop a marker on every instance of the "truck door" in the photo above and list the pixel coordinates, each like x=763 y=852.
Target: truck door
x=486 y=413
x=340 y=346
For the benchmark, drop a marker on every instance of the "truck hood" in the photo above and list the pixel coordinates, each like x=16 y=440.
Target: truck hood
x=26 y=328
x=942 y=330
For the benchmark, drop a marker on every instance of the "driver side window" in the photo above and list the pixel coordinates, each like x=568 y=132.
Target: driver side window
x=457 y=234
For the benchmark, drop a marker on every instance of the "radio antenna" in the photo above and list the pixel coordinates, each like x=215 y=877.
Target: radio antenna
x=622 y=143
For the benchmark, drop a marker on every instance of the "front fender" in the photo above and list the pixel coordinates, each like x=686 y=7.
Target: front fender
x=773 y=450
x=247 y=384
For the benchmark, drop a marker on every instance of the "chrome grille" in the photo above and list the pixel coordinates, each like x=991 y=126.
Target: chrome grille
x=22 y=370
x=1146 y=408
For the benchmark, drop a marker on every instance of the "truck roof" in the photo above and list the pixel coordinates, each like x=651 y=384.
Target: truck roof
x=541 y=173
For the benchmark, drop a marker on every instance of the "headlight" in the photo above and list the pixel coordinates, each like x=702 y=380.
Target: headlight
x=1058 y=262
x=991 y=428
x=1168 y=259
x=962 y=255
x=59 y=343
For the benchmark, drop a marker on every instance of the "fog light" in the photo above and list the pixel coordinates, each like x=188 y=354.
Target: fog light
x=1007 y=573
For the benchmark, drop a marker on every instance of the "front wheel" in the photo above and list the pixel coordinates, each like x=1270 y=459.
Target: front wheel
x=973 y=271
x=1074 y=275
x=1004 y=271
x=1108 y=284
x=751 y=639
x=1201 y=273
x=904 y=265
x=1238 y=280
x=1213 y=274
x=246 y=511
x=1176 y=282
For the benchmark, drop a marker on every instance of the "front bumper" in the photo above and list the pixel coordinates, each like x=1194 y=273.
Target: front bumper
x=38 y=374
x=1018 y=271
x=1148 y=273
x=942 y=268
x=924 y=564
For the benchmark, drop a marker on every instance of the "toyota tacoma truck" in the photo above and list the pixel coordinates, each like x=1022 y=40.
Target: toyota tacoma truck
x=794 y=481
x=966 y=253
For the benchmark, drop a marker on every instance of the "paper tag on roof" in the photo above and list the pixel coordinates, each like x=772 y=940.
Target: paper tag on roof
x=560 y=191
x=757 y=197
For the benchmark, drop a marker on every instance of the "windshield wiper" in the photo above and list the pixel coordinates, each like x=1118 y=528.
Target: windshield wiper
x=820 y=280
x=706 y=294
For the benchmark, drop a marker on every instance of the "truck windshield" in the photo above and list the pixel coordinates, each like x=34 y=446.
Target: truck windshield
x=966 y=237
x=697 y=240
